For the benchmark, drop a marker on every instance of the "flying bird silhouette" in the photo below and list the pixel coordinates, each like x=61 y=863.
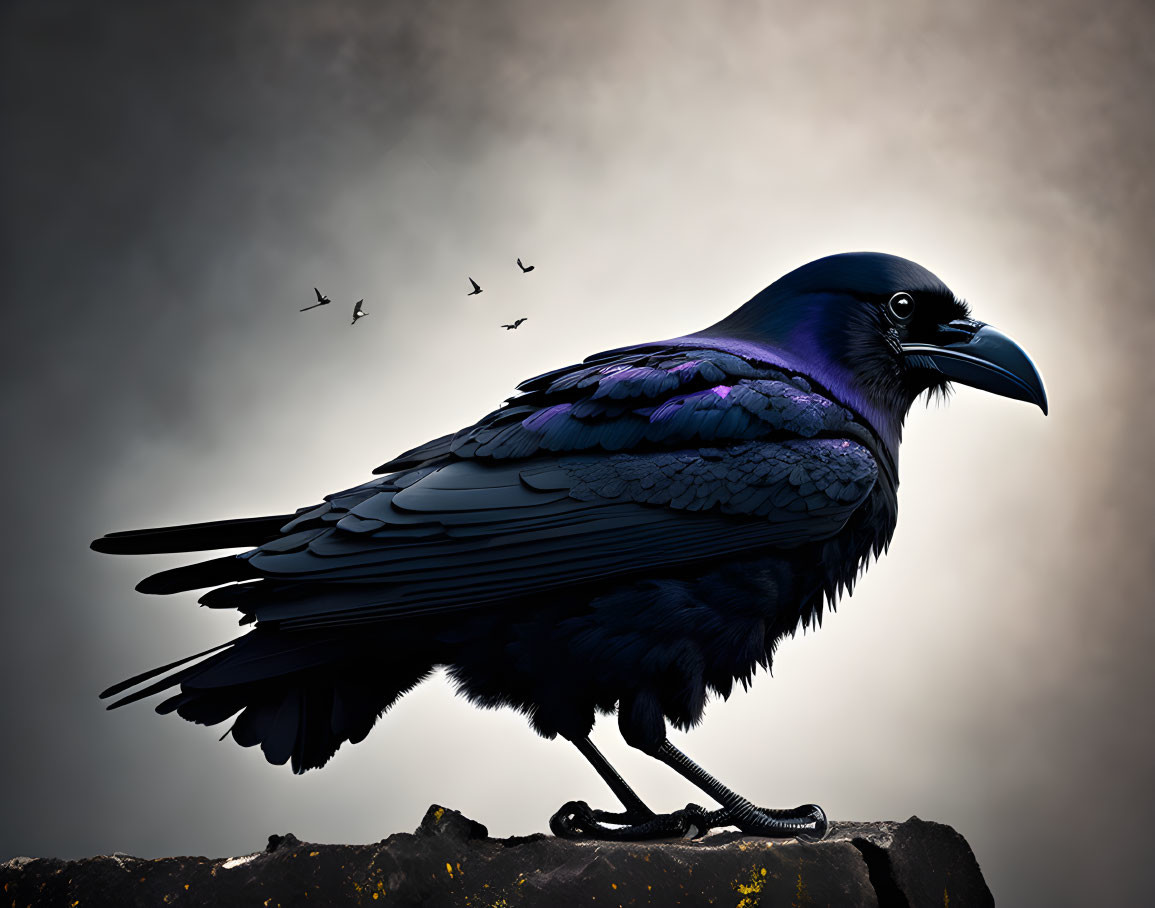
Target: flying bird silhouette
x=631 y=533
x=524 y=268
x=476 y=288
x=321 y=301
x=514 y=325
x=358 y=312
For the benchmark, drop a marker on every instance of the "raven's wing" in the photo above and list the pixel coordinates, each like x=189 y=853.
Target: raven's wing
x=431 y=452
x=718 y=455
x=470 y=532
x=319 y=297
x=665 y=399
x=476 y=286
x=754 y=458
x=668 y=397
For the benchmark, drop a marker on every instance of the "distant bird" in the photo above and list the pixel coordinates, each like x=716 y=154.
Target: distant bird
x=514 y=325
x=476 y=288
x=636 y=533
x=524 y=269
x=321 y=301
x=358 y=312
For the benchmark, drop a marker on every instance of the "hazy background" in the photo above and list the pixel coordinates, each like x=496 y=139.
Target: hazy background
x=176 y=179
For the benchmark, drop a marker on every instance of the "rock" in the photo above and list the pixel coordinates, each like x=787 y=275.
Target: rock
x=439 y=821
x=451 y=861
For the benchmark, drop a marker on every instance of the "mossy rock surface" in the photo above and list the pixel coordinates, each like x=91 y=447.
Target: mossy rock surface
x=451 y=861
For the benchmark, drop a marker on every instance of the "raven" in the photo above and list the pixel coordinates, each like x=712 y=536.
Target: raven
x=525 y=269
x=358 y=312
x=514 y=325
x=630 y=533
x=476 y=288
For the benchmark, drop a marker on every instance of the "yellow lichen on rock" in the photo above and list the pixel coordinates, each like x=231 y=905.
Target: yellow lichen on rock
x=751 y=889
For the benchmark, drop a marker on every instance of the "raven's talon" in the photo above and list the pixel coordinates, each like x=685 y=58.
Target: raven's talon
x=810 y=819
x=816 y=820
x=576 y=820
x=695 y=821
x=807 y=823
x=571 y=819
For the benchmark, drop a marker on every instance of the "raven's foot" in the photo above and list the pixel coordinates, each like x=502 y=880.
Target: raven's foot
x=577 y=820
x=807 y=823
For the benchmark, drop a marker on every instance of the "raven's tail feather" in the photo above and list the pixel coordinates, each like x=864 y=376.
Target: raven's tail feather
x=298 y=697
x=195 y=537
x=248 y=532
x=153 y=672
x=214 y=572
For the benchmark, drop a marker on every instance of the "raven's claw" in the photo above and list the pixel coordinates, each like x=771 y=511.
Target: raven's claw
x=806 y=823
x=577 y=820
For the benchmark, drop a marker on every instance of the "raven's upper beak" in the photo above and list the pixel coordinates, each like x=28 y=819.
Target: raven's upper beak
x=982 y=357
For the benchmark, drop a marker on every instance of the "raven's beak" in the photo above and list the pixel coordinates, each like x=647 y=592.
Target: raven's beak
x=982 y=357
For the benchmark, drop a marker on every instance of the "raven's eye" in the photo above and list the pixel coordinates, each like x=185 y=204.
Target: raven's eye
x=901 y=307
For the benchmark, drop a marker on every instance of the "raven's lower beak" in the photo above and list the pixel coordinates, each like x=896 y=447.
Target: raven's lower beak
x=980 y=356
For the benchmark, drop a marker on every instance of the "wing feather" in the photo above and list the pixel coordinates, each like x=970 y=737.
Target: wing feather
x=501 y=531
x=716 y=455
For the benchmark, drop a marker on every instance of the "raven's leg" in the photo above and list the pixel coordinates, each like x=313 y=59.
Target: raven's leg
x=643 y=725
x=807 y=822
x=577 y=819
x=636 y=809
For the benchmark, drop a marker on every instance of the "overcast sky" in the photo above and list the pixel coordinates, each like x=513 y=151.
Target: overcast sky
x=177 y=178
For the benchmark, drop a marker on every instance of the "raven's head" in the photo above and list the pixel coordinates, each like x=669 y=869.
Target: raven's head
x=876 y=331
